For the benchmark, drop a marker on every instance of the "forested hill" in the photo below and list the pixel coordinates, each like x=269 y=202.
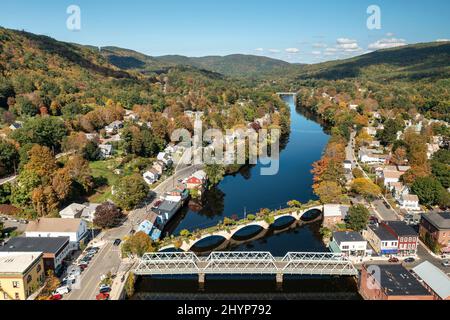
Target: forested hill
x=237 y=65
x=412 y=62
x=23 y=50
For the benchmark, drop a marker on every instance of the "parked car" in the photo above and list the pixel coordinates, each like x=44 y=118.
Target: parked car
x=56 y=296
x=102 y=296
x=409 y=260
x=83 y=266
x=393 y=260
x=446 y=263
x=105 y=289
x=62 y=290
x=117 y=242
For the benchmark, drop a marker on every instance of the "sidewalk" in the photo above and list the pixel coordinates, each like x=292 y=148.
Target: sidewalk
x=117 y=288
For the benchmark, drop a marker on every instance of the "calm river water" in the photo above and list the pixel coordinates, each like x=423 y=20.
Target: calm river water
x=248 y=192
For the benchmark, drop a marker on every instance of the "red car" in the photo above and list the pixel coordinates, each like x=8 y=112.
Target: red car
x=56 y=297
x=394 y=260
x=102 y=296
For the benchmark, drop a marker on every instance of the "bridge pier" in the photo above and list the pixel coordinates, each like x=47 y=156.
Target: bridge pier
x=279 y=279
x=201 y=281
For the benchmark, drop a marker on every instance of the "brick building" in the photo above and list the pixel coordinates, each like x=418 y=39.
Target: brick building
x=390 y=282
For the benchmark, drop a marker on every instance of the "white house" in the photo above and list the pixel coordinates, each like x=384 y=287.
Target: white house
x=72 y=211
x=391 y=177
x=371 y=157
x=106 y=150
x=432 y=148
x=75 y=229
x=349 y=243
x=409 y=202
x=398 y=189
x=166 y=158
x=114 y=127
x=371 y=131
x=88 y=213
x=151 y=176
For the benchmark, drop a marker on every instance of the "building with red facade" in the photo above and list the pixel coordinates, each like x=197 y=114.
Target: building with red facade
x=408 y=238
x=390 y=282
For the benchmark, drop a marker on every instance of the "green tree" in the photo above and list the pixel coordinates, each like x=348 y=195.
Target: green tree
x=429 y=190
x=389 y=134
x=9 y=158
x=130 y=191
x=5 y=193
x=215 y=173
x=358 y=217
x=45 y=131
x=442 y=172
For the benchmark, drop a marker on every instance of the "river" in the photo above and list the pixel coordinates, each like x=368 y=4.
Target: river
x=248 y=192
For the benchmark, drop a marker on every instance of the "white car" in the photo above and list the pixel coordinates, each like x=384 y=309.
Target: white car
x=446 y=263
x=62 y=290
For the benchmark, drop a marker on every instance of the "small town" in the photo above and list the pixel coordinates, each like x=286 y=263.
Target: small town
x=134 y=172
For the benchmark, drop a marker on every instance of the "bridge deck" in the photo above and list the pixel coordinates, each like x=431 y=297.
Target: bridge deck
x=245 y=263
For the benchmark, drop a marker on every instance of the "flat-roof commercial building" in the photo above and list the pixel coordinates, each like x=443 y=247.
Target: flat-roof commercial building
x=382 y=241
x=390 y=282
x=349 y=243
x=75 y=229
x=21 y=275
x=54 y=250
x=434 y=279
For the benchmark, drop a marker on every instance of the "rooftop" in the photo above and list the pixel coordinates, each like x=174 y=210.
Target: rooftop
x=335 y=210
x=345 y=236
x=72 y=210
x=54 y=225
x=38 y=244
x=439 y=220
x=437 y=280
x=392 y=174
x=383 y=233
x=18 y=263
x=397 y=281
x=168 y=206
x=401 y=228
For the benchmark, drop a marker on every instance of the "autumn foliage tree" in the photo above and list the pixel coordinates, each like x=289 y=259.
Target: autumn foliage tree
x=107 y=215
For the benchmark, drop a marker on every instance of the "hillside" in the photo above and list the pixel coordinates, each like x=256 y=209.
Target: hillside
x=412 y=62
x=237 y=65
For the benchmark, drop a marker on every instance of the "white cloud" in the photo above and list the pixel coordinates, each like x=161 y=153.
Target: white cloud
x=316 y=53
x=345 y=41
x=330 y=51
x=442 y=40
x=259 y=49
x=319 y=45
x=387 y=43
x=292 y=50
x=390 y=34
x=347 y=45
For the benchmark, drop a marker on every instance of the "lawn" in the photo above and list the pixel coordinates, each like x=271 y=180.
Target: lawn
x=103 y=170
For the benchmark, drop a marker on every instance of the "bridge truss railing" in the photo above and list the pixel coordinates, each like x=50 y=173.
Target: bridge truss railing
x=294 y=263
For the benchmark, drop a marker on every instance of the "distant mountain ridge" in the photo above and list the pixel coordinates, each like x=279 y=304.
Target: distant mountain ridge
x=411 y=62
x=231 y=65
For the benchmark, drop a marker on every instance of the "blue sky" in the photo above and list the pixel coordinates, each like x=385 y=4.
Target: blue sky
x=296 y=31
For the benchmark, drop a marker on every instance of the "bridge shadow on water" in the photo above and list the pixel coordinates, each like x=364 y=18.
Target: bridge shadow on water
x=246 y=287
x=253 y=233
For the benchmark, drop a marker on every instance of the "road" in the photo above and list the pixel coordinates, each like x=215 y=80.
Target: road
x=108 y=258
x=7 y=179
